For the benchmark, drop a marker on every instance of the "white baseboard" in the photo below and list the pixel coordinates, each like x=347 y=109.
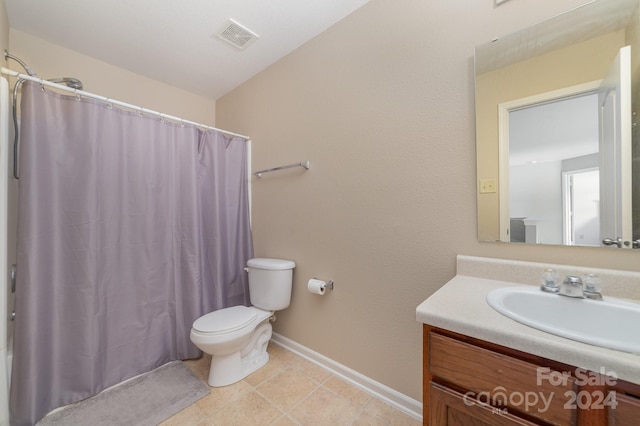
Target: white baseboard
x=392 y=397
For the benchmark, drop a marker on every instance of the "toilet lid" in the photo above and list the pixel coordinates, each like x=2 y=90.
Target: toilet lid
x=225 y=320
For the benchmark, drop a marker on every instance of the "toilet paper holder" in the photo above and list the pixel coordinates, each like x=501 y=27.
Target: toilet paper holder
x=329 y=284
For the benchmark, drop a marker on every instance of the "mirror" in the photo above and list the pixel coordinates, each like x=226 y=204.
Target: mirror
x=557 y=151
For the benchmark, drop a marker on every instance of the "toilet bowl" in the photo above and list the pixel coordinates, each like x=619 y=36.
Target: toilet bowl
x=237 y=337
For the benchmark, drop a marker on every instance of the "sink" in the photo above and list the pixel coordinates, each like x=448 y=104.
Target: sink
x=610 y=323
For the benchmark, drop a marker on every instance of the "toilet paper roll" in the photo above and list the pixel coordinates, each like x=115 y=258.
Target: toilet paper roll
x=316 y=286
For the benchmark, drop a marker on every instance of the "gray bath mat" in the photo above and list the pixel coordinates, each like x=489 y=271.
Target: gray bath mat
x=145 y=400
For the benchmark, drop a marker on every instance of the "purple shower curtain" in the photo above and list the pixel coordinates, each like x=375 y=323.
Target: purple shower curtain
x=130 y=228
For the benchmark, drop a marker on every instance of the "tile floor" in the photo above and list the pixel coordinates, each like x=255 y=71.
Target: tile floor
x=289 y=390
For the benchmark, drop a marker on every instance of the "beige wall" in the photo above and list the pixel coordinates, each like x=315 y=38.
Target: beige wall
x=49 y=60
x=382 y=104
x=577 y=64
x=4 y=29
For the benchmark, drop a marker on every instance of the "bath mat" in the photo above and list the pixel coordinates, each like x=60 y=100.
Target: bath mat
x=144 y=400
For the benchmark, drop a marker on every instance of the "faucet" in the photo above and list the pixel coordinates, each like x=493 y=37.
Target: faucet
x=572 y=286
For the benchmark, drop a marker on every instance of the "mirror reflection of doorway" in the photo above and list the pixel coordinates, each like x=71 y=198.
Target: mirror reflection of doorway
x=550 y=131
x=549 y=139
x=581 y=207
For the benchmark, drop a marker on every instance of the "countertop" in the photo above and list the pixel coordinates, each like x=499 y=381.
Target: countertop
x=460 y=306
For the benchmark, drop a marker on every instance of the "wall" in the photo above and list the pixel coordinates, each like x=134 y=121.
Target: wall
x=4 y=28
x=382 y=104
x=49 y=60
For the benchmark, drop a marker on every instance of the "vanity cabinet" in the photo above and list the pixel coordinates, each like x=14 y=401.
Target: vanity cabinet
x=471 y=382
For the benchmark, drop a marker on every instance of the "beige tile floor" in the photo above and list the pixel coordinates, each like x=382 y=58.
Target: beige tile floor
x=289 y=390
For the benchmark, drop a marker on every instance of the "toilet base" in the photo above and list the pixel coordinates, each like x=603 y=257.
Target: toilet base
x=229 y=369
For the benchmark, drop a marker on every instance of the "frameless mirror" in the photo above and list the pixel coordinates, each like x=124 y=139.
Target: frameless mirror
x=557 y=152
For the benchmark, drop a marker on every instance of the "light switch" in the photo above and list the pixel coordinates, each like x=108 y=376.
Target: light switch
x=488 y=186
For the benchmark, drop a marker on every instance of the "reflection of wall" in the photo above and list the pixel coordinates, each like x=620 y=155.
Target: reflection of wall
x=535 y=193
x=580 y=163
x=581 y=63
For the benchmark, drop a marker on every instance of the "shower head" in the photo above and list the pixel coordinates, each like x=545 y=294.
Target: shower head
x=74 y=83
x=26 y=67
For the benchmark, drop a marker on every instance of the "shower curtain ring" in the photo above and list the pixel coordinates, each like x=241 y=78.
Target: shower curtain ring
x=109 y=104
x=75 y=93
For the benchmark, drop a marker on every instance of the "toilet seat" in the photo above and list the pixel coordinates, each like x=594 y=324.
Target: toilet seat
x=225 y=320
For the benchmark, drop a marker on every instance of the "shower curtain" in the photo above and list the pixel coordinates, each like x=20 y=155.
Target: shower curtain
x=130 y=228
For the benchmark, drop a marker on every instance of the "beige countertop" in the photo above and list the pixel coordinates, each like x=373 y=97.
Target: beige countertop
x=460 y=306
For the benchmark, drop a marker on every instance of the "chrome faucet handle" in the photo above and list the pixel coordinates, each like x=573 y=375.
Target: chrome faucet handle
x=572 y=287
x=592 y=287
x=550 y=281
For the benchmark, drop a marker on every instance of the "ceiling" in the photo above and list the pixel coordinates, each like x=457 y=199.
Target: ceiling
x=554 y=131
x=592 y=19
x=176 y=42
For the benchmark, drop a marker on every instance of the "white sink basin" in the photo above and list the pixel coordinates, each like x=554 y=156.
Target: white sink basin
x=610 y=323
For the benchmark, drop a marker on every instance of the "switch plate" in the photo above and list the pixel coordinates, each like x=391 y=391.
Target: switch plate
x=488 y=186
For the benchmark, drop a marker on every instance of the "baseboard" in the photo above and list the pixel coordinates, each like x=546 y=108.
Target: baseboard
x=392 y=397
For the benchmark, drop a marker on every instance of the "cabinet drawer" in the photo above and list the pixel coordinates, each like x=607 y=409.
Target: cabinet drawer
x=503 y=381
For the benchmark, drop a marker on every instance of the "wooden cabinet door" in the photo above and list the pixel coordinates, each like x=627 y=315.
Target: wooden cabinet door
x=626 y=413
x=450 y=408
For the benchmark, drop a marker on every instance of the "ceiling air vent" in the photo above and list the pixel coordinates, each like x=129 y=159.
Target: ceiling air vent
x=237 y=35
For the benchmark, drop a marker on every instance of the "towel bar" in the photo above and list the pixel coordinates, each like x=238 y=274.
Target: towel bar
x=304 y=164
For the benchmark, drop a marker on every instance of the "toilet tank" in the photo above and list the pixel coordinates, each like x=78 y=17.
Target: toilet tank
x=270 y=282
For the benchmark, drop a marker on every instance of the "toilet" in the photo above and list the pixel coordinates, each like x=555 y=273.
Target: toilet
x=237 y=337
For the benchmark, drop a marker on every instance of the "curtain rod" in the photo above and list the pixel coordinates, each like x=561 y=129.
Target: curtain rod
x=142 y=110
